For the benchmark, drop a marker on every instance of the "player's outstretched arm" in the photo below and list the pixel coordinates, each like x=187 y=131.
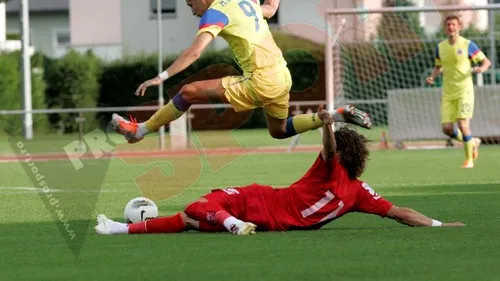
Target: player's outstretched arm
x=269 y=8
x=411 y=217
x=329 y=145
x=187 y=57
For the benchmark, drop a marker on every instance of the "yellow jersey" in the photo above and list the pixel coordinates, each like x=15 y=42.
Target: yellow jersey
x=456 y=62
x=241 y=24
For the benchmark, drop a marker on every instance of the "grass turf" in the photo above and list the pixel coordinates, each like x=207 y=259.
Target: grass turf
x=248 y=138
x=354 y=247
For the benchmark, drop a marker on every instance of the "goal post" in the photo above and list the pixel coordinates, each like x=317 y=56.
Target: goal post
x=381 y=60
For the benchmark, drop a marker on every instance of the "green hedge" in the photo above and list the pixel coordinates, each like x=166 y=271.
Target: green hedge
x=81 y=80
x=120 y=79
x=11 y=96
x=73 y=83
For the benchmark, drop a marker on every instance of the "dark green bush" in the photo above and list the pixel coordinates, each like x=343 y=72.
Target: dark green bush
x=11 y=96
x=73 y=83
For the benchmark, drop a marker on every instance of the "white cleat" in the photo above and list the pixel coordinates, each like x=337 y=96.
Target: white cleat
x=103 y=225
x=352 y=115
x=244 y=228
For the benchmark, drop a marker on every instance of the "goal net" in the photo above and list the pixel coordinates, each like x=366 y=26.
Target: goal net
x=381 y=58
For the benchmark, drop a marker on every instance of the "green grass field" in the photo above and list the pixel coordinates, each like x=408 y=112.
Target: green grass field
x=49 y=143
x=35 y=245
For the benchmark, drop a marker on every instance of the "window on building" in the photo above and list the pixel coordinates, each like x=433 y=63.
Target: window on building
x=62 y=38
x=274 y=19
x=16 y=35
x=168 y=8
x=13 y=36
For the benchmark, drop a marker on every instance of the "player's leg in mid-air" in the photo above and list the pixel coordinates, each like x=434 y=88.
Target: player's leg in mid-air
x=240 y=93
x=456 y=111
x=270 y=89
x=193 y=93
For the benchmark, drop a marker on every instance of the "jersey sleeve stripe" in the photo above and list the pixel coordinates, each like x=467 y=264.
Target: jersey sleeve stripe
x=219 y=24
x=213 y=17
x=473 y=48
x=475 y=53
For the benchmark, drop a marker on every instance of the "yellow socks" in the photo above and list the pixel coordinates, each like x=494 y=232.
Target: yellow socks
x=165 y=115
x=171 y=111
x=457 y=135
x=302 y=123
x=468 y=147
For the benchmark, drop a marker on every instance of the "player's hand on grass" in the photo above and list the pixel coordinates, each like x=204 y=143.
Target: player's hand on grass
x=324 y=116
x=430 y=80
x=151 y=82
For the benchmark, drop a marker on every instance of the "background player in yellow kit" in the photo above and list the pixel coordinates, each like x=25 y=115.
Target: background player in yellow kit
x=454 y=57
x=266 y=80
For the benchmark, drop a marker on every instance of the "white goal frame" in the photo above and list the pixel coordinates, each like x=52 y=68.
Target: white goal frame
x=332 y=42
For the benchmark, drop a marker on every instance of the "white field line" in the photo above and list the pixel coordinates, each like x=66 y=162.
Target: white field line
x=424 y=184
x=30 y=189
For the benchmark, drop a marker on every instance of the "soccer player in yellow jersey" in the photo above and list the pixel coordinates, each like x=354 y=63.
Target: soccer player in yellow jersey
x=265 y=82
x=455 y=58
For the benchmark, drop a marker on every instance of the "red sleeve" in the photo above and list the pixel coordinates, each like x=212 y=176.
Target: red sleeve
x=369 y=201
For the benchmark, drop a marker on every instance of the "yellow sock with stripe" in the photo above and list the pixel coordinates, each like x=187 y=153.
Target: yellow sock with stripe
x=168 y=113
x=302 y=123
x=468 y=147
x=457 y=134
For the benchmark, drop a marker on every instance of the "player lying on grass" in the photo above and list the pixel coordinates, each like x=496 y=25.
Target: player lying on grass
x=265 y=82
x=328 y=190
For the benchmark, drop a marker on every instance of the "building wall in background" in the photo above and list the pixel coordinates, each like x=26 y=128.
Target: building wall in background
x=139 y=31
x=49 y=31
x=95 y=22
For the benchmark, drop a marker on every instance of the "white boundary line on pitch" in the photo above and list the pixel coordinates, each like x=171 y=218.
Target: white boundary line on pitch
x=272 y=150
x=426 y=184
x=30 y=189
x=440 y=193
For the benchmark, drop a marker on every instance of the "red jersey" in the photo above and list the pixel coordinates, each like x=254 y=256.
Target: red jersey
x=323 y=194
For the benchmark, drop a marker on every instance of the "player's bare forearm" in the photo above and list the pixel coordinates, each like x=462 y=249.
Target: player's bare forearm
x=186 y=58
x=485 y=65
x=182 y=62
x=191 y=54
x=329 y=144
x=411 y=217
x=269 y=8
x=436 y=72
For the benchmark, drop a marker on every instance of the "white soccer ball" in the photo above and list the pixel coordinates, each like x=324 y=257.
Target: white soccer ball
x=140 y=209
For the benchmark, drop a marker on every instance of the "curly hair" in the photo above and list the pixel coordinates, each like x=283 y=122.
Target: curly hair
x=352 y=150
